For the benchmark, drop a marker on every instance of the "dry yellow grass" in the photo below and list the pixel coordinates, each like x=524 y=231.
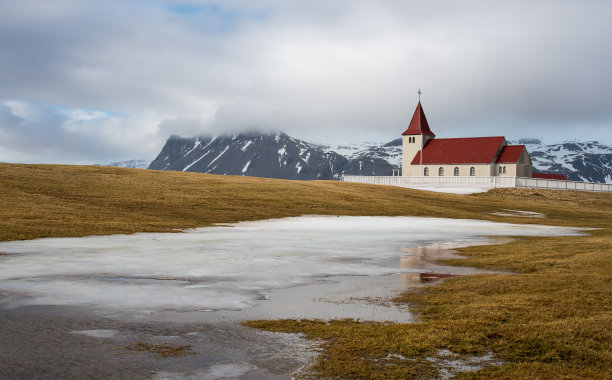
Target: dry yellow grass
x=551 y=319
x=54 y=200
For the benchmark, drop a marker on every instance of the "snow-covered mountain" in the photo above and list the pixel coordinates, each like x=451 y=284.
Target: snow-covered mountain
x=253 y=154
x=278 y=155
x=390 y=152
x=274 y=155
x=588 y=161
x=137 y=164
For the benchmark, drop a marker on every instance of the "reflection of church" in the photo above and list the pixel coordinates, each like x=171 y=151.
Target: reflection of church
x=425 y=155
x=418 y=259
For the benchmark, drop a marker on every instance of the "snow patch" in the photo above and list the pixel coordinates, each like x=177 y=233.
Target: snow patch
x=196 y=161
x=195 y=145
x=220 y=268
x=519 y=213
x=220 y=154
x=246 y=145
x=201 y=157
x=246 y=166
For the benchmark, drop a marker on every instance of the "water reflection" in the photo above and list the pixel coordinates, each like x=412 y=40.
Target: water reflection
x=424 y=257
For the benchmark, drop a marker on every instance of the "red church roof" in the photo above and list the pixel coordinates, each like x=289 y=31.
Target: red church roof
x=510 y=154
x=418 y=124
x=559 y=177
x=473 y=150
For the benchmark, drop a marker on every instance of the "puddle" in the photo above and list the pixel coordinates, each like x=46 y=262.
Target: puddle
x=82 y=299
x=451 y=364
x=64 y=342
x=230 y=268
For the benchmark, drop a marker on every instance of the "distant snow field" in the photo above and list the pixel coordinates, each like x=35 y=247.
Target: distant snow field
x=224 y=267
x=450 y=188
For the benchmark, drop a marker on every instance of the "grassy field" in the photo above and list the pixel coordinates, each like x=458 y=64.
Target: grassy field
x=550 y=319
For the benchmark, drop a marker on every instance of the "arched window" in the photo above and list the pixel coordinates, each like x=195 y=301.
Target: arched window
x=472 y=171
x=504 y=170
x=441 y=171
x=426 y=172
x=456 y=171
x=500 y=170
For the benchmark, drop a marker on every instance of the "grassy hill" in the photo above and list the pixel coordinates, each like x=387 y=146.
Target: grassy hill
x=54 y=200
x=550 y=319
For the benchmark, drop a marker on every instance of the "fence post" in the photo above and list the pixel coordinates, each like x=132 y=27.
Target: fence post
x=495 y=182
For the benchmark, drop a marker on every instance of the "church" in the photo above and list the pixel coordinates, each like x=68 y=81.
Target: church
x=425 y=155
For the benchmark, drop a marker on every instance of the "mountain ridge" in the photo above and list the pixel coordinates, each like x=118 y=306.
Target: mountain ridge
x=277 y=155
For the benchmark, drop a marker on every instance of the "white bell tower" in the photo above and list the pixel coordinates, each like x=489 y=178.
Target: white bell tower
x=413 y=141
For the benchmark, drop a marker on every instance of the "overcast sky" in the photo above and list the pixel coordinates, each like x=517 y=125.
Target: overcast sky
x=98 y=81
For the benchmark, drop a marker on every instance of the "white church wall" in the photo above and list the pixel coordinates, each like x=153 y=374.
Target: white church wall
x=411 y=145
x=480 y=170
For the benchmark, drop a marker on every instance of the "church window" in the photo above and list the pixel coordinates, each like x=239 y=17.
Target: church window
x=504 y=170
x=500 y=170
x=456 y=172
x=426 y=172
x=441 y=171
x=472 y=171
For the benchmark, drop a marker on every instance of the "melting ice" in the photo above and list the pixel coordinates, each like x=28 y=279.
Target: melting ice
x=224 y=267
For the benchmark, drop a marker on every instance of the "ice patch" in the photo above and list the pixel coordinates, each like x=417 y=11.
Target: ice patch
x=451 y=364
x=519 y=213
x=97 y=333
x=224 y=268
x=216 y=371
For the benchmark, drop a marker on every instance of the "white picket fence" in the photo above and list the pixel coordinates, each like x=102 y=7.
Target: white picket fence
x=539 y=183
x=491 y=182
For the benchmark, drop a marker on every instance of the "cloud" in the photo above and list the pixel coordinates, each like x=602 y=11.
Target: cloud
x=319 y=70
x=34 y=133
x=181 y=126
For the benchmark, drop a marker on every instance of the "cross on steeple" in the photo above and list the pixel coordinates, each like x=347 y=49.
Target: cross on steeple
x=419 y=92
